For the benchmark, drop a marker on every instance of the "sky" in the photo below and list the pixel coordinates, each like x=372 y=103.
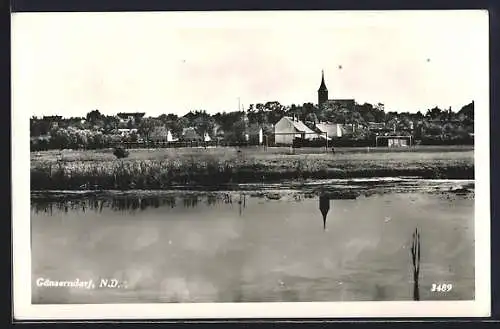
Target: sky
x=159 y=62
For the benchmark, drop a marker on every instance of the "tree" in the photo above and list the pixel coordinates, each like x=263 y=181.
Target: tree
x=334 y=115
x=237 y=132
x=39 y=127
x=311 y=117
x=368 y=112
x=110 y=123
x=94 y=116
x=354 y=117
x=256 y=114
x=227 y=120
x=434 y=113
x=190 y=116
x=176 y=126
x=419 y=127
x=62 y=138
x=204 y=124
x=307 y=109
x=467 y=112
x=147 y=126
x=133 y=137
x=431 y=129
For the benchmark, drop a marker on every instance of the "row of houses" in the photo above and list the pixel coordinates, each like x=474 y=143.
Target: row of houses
x=162 y=134
x=286 y=130
x=289 y=128
x=253 y=134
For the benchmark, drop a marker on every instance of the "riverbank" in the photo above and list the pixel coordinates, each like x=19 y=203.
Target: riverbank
x=335 y=189
x=164 y=169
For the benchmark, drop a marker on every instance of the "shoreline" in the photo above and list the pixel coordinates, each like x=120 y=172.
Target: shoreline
x=336 y=188
x=216 y=180
x=216 y=168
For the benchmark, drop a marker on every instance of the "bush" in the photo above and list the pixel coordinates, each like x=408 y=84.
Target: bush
x=120 y=152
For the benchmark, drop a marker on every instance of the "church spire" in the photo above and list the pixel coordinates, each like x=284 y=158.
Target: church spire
x=322 y=91
x=322 y=87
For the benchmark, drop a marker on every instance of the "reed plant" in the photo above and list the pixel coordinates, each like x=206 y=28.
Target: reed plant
x=206 y=169
x=415 y=258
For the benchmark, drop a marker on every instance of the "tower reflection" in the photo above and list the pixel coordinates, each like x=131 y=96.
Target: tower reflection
x=324 y=207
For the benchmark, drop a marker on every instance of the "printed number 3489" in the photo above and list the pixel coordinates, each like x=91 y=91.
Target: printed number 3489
x=441 y=287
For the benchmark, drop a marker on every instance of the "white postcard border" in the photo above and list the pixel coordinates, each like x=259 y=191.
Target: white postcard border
x=24 y=310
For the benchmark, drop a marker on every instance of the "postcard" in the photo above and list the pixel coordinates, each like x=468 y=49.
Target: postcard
x=259 y=164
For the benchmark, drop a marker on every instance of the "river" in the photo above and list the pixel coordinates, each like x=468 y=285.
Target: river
x=259 y=243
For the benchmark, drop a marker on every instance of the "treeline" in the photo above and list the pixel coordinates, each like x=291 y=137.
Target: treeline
x=96 y=130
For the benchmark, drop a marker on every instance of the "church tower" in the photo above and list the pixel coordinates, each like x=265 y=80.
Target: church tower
x=322 y=91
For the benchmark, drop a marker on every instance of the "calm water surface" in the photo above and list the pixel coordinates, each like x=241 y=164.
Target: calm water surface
x=254 y=246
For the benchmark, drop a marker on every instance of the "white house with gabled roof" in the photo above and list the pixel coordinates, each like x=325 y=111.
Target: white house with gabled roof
x=289 y=128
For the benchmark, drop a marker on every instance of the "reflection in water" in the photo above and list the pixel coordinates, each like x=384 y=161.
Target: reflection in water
x=211 y=200
x=170 y=201
x=242 y=202
x=190 y=201
x=228 y=198
x=133 y=203
x=271 y=253
x=324 y=207
x=130 y=203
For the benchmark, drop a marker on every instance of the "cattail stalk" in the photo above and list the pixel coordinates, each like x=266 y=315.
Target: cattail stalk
x=415 y=257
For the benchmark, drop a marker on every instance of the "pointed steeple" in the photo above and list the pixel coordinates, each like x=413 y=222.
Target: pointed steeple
x=322 y=91
x=322 y=87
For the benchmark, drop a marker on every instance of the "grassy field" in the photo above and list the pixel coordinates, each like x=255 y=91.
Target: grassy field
x=164 y=168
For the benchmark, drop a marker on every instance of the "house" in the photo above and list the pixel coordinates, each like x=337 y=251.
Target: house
x=397 y=142
x=329 y=129
x=132 y=117
x=348 y=129
x=126 y=132
x=287 y=129
x=376 y=126
x=190 y=134
x=52 y=118
x=394 y=140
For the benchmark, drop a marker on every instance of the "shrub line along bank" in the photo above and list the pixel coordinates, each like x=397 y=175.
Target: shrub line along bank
x=141 y=174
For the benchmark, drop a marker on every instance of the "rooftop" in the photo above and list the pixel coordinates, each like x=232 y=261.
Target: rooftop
x=129 y=114
x=299 y=125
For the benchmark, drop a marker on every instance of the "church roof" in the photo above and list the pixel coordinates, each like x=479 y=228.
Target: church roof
x=322 y=87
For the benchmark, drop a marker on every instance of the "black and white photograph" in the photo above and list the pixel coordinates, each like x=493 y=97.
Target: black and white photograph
x=251 y=164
